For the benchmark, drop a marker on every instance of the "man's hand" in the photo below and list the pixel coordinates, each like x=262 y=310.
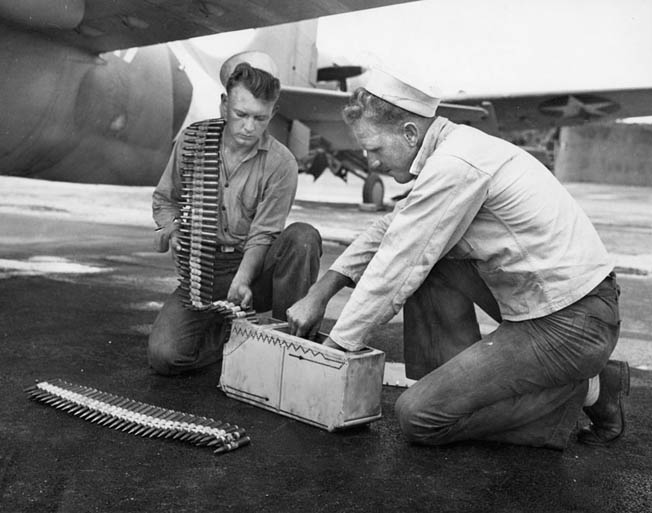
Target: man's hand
x=175 y=248
x=305 y=316
x=240 y=294
x=163 y=237
x=174 y=242
x=252 y=262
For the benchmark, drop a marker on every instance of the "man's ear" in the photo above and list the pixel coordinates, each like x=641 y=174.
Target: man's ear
x=411 y=133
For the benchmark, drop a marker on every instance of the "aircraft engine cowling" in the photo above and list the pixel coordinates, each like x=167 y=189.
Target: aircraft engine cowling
x=102 y=101
x=73 y=116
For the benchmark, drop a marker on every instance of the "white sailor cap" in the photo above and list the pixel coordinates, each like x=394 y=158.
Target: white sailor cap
x=405 y=96
x=256 y=59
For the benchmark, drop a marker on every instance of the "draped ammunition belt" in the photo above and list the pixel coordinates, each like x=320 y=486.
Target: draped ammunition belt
x=200 y=215
x=138 y=418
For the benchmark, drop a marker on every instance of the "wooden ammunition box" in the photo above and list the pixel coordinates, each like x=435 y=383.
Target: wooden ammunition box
x=266 y=366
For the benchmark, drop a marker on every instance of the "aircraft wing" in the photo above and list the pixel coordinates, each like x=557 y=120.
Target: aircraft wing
x=320 y=109
x=104 y=25
x=562 y=108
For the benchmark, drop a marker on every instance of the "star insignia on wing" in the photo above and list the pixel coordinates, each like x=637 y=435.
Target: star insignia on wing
x=580 y=106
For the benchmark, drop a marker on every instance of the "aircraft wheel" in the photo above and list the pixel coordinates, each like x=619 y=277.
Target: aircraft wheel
x=373 y=190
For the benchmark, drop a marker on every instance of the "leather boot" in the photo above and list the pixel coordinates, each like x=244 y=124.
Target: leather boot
x=607 y=414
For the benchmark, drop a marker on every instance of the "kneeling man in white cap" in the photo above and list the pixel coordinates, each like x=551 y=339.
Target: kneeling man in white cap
x=485 y=224
x=257 y=261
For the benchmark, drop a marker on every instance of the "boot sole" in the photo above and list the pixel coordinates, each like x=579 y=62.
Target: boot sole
x=625 y=386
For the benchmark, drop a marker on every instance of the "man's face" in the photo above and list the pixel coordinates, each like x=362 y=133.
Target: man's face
x=388 y=150
x=246 y=117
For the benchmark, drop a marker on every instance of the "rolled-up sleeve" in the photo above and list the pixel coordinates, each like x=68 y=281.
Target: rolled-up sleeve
x=166 y=195
x=446 y=197
x=277 y=198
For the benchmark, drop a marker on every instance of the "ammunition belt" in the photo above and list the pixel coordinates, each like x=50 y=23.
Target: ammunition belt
x=200 y=218
x=138 y=418
x=199 y=211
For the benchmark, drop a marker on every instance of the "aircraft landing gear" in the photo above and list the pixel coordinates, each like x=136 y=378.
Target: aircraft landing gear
x=373 y=191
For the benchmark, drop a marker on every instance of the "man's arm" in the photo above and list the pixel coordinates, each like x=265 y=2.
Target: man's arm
x=356 y=257
x=305 y=316
x=271 y=215
x=279 y=190
x=446 y=197
x=250 y=268
x=165 y=206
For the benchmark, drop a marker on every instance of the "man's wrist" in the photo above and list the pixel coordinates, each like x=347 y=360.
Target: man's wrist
x=329 y=285
x=240 y=282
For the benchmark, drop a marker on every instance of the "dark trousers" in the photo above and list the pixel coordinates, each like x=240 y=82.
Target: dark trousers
x=524 y=383
x=183 y=339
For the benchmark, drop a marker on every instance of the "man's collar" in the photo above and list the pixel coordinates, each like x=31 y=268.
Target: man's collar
x=436 y=133
x=265 y=142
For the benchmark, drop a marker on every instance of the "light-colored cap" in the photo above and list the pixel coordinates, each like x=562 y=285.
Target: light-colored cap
x=256 y=59
x=397 y=92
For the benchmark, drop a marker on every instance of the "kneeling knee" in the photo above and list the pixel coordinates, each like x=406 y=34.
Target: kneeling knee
x=303 y=235
x=160 y=360
x=419 y=426
x=407 y=415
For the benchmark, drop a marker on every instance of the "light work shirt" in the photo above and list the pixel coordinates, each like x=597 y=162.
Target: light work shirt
x=255 y=198
x=481 y=198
